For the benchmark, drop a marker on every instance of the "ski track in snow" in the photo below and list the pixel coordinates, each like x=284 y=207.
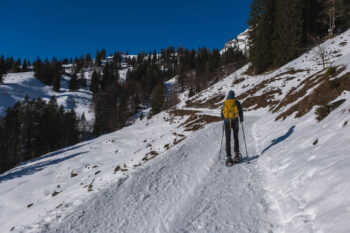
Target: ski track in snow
x=186 y=190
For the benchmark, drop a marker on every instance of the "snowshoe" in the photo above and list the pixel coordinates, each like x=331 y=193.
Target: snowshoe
x=238 y=158
x=229 y=162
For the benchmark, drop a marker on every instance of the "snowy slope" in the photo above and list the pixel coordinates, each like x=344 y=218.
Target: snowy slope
x=240 y=42
x=173 y=181
x=17 y=85
x=306 y=185
x=185 y=190
x=124 y=66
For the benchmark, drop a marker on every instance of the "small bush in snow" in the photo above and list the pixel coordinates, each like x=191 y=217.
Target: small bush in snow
x=55 y=193
x=116 y=169
x=331 y=71
x=72 y=174
x=343 y=43
x=322 y=112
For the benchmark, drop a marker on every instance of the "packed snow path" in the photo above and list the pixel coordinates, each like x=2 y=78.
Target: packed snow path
x=185 y=190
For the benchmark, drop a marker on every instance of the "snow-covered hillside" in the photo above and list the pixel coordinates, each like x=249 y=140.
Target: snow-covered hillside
x=124 y=66
x=165 y=174
x=240 y=42
x=17 y=85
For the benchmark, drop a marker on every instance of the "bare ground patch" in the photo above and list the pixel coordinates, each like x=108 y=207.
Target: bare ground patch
x=262 y=101
x=326 y=91
x=55 y=193
x=212 y=102
x=150 y=155
x=196 y=120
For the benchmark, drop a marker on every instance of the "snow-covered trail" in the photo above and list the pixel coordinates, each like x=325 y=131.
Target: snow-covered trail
x=187 y=189
x=231 y=199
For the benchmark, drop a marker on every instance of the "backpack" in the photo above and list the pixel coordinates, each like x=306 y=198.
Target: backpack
x=230 y=109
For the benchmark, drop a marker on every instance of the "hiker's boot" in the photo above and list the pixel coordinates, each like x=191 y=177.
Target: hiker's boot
x=229 y=161
x=237 y=157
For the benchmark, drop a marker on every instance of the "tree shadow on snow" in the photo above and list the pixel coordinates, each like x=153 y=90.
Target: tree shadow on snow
x=31 y=169
x=279 y=139
x=52 y=154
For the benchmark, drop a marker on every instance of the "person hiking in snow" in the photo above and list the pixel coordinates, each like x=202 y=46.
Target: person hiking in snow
x=230 y=112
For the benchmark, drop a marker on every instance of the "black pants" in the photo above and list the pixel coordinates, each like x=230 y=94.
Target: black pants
x=235 y=128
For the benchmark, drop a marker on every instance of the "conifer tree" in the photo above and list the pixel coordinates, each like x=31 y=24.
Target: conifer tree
x=181 y=80
x=154 y=57
x=95 y=80
x=261 y=34
x=122 y=110
x=51 y=125
x=314 y=21
x=157 y=98
x=346 y=14
x=65 y=61
x=15 y=68
x=87 y=60
x=2 y=68
x=56 y=80
x=82 y=80
x=73 y=84
x=107 y=76
x=83 y=127
x=24 y=66
x=191 y=92
x=69 y=128
x=288 y=33
x=101 y=115
x=98 y=59
x=12 y=132
x=103 y=53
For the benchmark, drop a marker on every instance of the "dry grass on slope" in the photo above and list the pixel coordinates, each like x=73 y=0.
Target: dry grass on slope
x=252 y=101
x=195 y=120
x=211 y=103
x=325 y=90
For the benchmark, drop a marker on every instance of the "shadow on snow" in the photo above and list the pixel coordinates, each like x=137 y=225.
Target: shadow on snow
x=279 y=139
x=60 y=151
x=31 y=169
x=245 y=159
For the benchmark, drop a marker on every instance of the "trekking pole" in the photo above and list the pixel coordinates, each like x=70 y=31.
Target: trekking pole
x=221 y=140
x=246 y=151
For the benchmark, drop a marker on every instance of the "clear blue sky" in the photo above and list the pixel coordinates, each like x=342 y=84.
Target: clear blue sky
x=66 y=28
